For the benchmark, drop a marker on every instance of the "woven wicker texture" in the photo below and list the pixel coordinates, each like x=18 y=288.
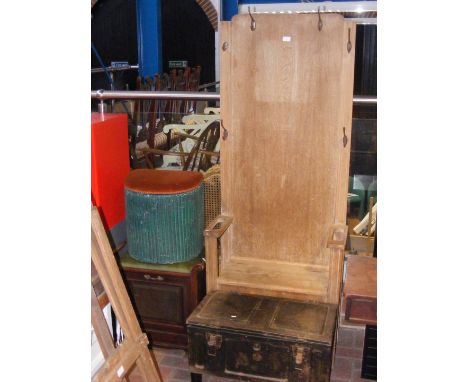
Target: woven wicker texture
x=212 y=183
x=164 y=229
x=160 y=140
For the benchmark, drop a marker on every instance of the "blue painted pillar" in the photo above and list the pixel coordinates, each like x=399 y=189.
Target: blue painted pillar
x=229 y=9
x=149 y=37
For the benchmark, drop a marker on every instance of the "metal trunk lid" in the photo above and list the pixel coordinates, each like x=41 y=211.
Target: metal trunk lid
x=267 y=316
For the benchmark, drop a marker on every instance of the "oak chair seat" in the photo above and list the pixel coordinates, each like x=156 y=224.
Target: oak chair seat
x=274 y=279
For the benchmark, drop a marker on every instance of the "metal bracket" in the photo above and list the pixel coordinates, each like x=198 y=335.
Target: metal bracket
x=300 y=354
x=213 y=342
x=256 y=355
x=349 y=46
x=320 y=22
x=225 y=132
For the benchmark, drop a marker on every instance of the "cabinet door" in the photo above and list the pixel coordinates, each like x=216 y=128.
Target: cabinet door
x=158 y=302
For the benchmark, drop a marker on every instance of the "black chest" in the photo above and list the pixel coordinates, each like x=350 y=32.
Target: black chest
x=261 y=338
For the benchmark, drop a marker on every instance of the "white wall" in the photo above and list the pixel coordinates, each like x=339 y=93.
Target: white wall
x=97 y=359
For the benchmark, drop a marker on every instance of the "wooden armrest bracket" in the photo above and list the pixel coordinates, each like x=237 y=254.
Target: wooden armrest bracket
x=212 y=233
x=337 y=237
x=336 y=242
x=218 y=226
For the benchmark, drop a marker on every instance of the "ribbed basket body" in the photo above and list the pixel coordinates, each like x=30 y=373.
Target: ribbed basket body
x=164 y=229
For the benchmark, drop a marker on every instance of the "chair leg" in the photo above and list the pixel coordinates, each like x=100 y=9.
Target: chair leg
x=195 y=377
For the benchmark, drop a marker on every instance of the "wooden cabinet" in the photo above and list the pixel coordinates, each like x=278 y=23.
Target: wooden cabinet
x=163 y=296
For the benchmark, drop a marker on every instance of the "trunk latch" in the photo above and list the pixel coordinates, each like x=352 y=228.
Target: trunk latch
x=300 y=355
x=214 y=343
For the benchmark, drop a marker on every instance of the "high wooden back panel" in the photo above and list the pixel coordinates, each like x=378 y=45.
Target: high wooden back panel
x=286 y=91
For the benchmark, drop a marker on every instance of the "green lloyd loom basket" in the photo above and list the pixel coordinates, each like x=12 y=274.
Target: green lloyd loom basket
x=164 y=215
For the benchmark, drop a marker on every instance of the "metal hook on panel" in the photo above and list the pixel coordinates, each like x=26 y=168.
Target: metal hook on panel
x=345 y=137
x=320 y=22
x=349 y=46
x=253 y=25
x=225 y=132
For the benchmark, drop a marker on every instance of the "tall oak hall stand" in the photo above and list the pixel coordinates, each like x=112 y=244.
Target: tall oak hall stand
x=274 y=286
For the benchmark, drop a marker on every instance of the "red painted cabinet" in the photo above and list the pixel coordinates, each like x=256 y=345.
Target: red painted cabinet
x=110 y=165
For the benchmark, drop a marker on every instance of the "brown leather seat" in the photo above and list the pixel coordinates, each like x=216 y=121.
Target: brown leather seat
x=162 y=181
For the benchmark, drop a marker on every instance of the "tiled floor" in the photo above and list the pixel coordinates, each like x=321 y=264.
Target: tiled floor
x=174 y=368
x=173 y=364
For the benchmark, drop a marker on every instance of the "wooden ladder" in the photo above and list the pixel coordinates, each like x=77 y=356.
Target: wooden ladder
x=134 y=348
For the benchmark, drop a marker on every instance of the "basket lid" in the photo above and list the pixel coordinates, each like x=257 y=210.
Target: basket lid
x=162 y=181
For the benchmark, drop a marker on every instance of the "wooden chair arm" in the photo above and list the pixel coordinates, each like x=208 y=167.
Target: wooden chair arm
x=337 y=236
x=185 y=135
x=175 y=153
x=223 y=221
x=161 y=152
